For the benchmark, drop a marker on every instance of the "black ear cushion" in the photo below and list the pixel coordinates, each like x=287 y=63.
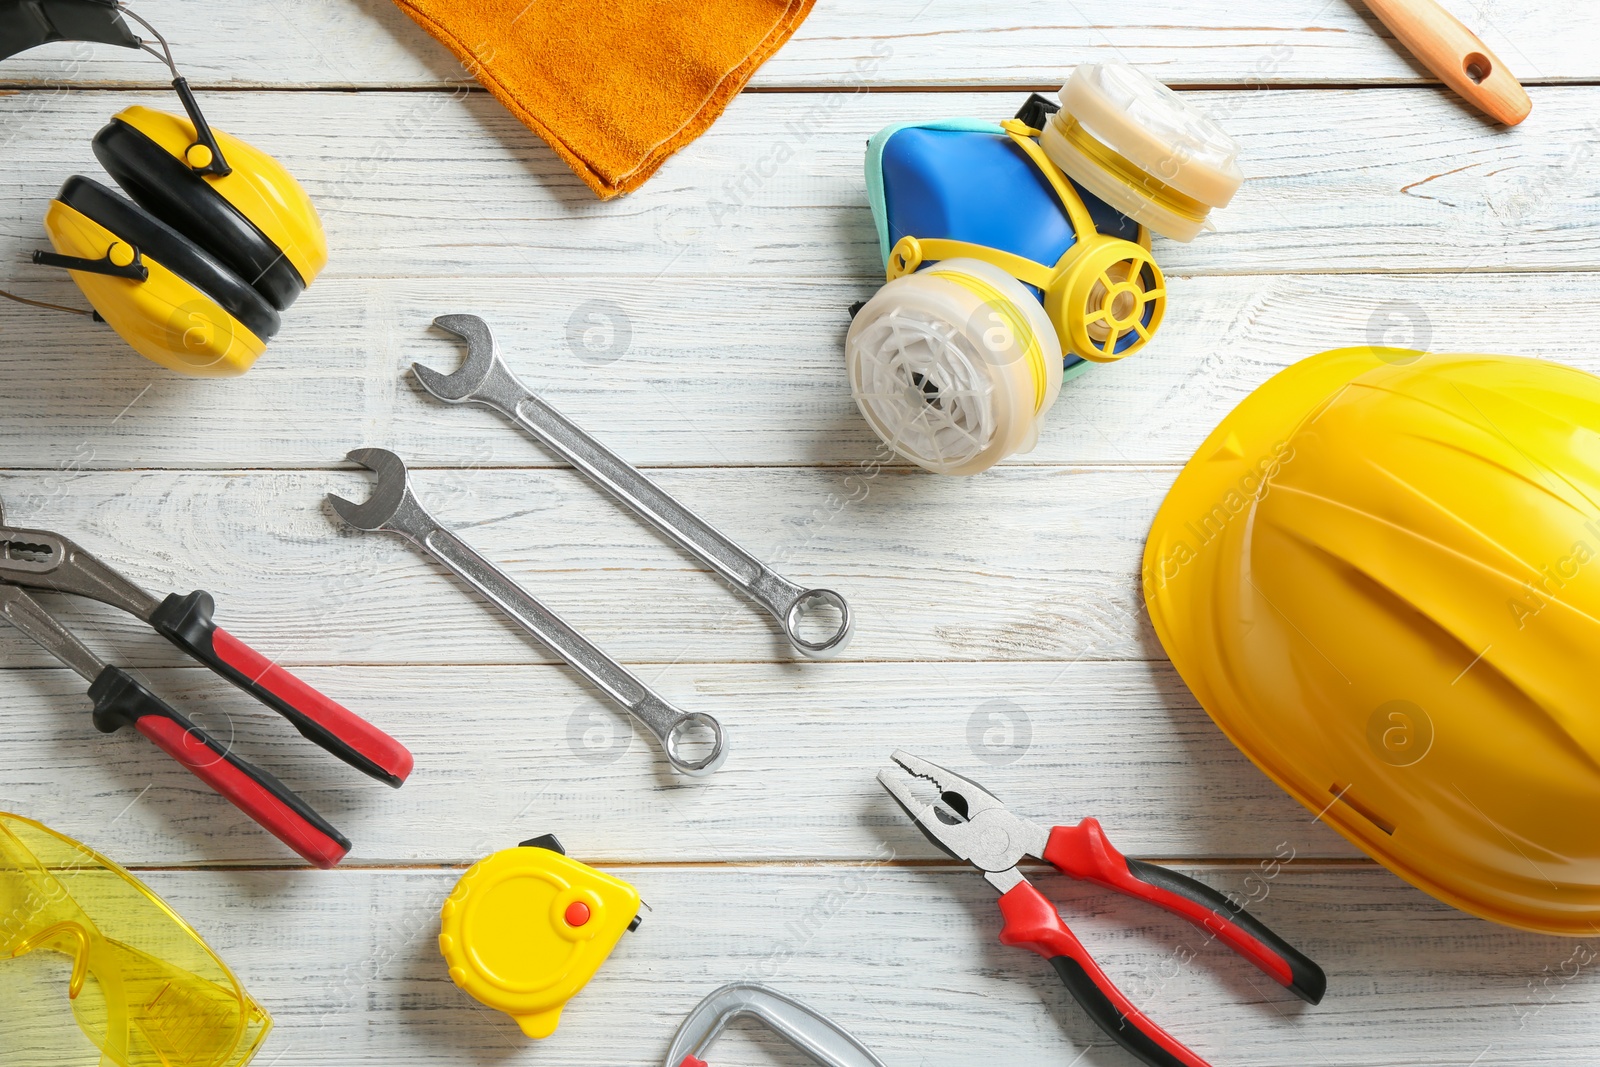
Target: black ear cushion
x=164 y=185
x=166 y=246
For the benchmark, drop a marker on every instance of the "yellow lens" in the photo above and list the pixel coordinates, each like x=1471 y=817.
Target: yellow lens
x=145 y=989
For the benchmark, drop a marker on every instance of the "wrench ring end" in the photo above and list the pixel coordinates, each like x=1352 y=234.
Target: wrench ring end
x=706 y=764
x=829 y=646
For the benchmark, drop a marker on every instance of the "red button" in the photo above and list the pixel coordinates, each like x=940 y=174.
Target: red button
x=577 y=913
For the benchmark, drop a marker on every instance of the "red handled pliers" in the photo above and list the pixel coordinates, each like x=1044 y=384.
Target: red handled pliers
x=39 y=559
x=966 y=822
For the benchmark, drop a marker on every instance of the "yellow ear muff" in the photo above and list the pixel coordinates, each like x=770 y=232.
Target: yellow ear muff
x=259 y=187
x=165 y=318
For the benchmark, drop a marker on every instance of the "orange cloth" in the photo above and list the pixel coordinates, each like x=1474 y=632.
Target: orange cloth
x=614 y=86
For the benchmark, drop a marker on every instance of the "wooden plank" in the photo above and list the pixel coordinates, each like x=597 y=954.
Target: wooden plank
x=700 y=371
x=370 y=44
x=905 y=959
x=431 y=185
x=1032 y=564
x=506 y=753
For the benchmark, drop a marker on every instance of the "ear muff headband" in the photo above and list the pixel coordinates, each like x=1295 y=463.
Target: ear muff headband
x=26 y=24
x=258 y=188
x=168 y=189
x=157 y=241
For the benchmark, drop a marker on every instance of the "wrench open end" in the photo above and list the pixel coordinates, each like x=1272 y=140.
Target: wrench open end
x=386 y=498
x=459 y=387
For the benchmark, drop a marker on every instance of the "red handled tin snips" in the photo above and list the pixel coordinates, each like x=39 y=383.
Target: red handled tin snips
x=968 y=823
x=39 y=559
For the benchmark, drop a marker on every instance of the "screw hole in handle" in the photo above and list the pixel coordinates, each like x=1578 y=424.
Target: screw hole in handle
x=833 y=643
x=679 y=737
x=1477 y=67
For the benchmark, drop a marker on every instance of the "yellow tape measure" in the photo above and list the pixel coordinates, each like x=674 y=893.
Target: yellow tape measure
x=526 y=928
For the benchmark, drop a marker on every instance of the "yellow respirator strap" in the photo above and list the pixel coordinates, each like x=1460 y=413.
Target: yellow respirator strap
x=1147 y=186
x=1023 y=134
x=1027 y=271
x=1014 y=321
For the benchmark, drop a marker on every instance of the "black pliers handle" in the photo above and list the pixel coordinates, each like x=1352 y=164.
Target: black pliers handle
x=1082 y=851
x=119 y=700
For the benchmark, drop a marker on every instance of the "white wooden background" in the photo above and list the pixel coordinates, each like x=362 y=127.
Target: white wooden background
x=1000 y=624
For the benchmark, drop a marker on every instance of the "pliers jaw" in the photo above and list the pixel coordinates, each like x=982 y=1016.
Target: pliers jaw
x=41 y=559
x=26 y=552
x=965 y=820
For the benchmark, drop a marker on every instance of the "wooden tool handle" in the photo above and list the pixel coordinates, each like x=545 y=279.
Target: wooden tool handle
x=1455 y=54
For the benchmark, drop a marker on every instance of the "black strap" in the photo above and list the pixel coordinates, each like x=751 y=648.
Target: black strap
x=26 y=24
x=135 y=270
x=1036 y=111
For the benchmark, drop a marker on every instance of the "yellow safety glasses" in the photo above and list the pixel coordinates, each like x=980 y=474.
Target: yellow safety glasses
x=144 y=987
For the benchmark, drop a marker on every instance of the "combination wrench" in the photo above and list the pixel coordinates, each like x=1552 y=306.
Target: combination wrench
x=394 y=508
x=485 y=379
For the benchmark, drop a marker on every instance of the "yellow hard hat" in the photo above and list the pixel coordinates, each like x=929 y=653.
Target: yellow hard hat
x=1380 y=575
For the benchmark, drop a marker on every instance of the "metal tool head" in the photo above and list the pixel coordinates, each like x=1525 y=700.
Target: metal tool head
x=25 y=553
x=679 y=735
x=29 y=541
x=27 y=556
x=819 y=1037
x=482 y=356
x=964 y=820
x=8 y=533
x=829 y=645
x=390 y=494
x=40 y=559
x=25 y=613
